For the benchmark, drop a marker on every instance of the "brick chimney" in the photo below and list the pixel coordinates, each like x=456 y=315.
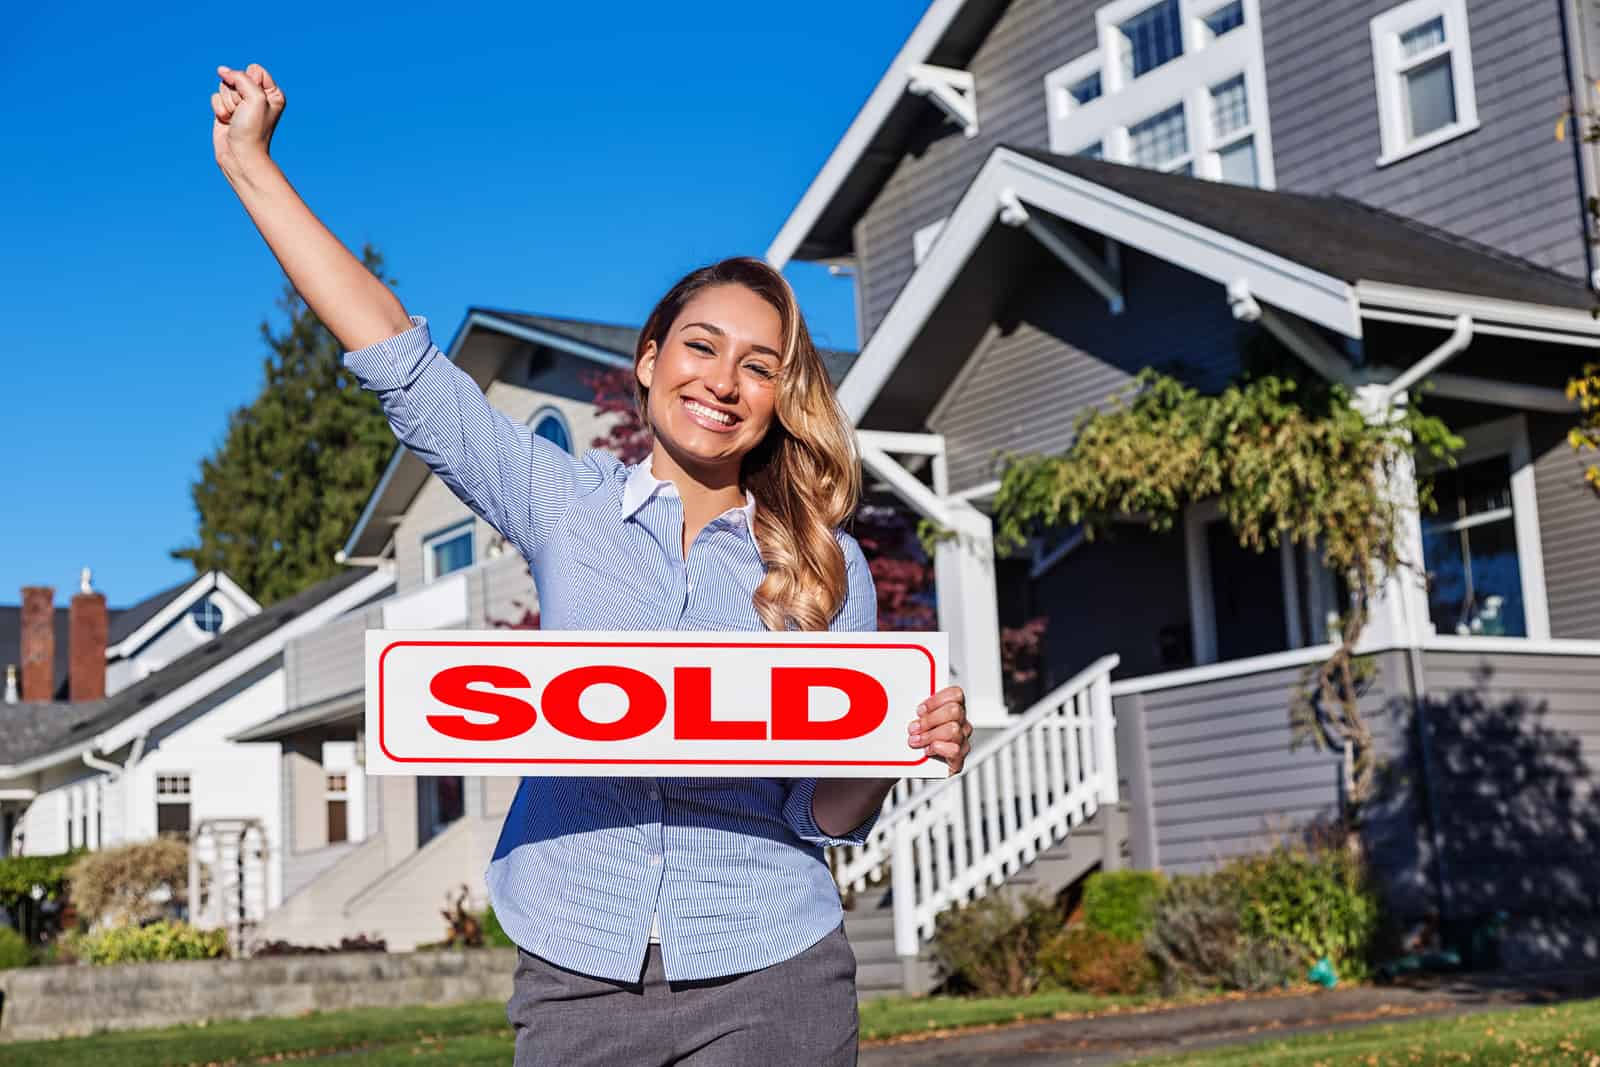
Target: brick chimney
x=89 y=621
x=38 y=641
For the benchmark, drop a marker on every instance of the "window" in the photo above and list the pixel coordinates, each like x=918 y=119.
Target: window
x=338 y=814
x=1231 y=133
x=1150 y=39
x=1094 y=150
x=446 y=551
x=1470 y=550
x=440 y=802
x=1085 y=90
x=922 y=240
x=1161 y=141
x=206 y=615
x=552 y=426
x=1223 y=19
x=1422 y=59
x=172 y=804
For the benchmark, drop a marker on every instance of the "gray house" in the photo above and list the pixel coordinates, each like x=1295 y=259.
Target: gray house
x=1042 y=197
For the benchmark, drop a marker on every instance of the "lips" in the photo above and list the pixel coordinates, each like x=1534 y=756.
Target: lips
x=713 y=419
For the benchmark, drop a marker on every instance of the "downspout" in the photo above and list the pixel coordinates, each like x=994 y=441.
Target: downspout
x=117 y=774
x=1453 y=346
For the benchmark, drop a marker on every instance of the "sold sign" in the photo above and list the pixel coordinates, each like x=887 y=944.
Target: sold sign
x=670 y=704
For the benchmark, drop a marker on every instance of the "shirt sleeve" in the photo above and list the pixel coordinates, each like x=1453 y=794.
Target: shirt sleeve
x=859 y=614
x=519 y=483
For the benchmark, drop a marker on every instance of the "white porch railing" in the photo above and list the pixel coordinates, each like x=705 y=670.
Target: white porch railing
x=1021 y=792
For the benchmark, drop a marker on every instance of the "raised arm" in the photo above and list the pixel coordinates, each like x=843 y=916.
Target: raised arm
x=350 y=301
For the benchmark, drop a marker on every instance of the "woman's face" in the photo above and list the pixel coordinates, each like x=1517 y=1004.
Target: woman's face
x=713 y=381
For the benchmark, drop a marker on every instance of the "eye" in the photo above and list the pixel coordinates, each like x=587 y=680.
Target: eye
x=701 y=346
x=761 y=370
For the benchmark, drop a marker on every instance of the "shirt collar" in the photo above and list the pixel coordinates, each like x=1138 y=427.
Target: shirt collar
x=642 y=484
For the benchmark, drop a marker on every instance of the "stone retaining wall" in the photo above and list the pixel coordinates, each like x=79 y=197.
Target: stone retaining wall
x=45 y=1002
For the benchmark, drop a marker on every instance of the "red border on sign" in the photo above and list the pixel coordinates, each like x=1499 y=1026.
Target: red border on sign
x=932 y=681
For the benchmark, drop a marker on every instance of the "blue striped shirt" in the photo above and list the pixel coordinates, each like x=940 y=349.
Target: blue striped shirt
x=731 y=870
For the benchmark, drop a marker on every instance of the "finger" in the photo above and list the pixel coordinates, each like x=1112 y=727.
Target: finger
x=221 y=110
x=944 y=696
x=950 y=731
x=930 y=720
x=255 y=72
x=947 y=751
x=241 y=83
x=275 y=97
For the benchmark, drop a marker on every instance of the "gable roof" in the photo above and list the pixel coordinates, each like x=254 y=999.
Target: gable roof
x=607 y=344
x=39 y=733
x=1328 y=260
x=947 y=35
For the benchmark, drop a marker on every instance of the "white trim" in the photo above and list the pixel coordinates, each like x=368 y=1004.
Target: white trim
x=1483 y=309
x=955 y=92
x=551 y=411
x=195 y=629
x=903 y=444
x=1528 y=646
x=1197 y=571
x=449 y=533
x=1505 y=394
x=178 y=606
x=1185 y=81
x=847 y=153
x=1389 y=68
x=922 y=240
x=1322 y=299
x=234 y=667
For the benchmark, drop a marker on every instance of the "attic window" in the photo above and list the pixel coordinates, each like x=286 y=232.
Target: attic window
x=206 y=615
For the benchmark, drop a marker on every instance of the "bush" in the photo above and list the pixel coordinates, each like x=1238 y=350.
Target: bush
x=1094 y=961
x=161 y=941
x=1199 y=939
x=359 y=943
x=1317 y=901
x=989 y=948
x=494 y=935
x=23 y=876
x=1122 y=904
x=13 y=949
x=131 y=884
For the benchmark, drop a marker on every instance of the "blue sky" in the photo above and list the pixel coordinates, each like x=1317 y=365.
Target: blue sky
x=564 y=159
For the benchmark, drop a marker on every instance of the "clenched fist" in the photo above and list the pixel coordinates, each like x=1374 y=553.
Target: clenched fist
x=247 y=104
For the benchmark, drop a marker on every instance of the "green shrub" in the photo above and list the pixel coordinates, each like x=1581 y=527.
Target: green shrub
x=991 y=948
x=1122 y=904
x=1093 y=961
x=21 y=875
x=494 y=935
x=13 y=949
x=1316 y=901
x=160 y=941
x=1199 y=939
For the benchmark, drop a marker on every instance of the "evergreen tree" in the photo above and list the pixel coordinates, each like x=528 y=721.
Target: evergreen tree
x=284 y=490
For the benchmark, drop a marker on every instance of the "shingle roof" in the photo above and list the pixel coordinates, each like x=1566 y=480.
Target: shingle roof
x=31 y=730
x=1334 y=235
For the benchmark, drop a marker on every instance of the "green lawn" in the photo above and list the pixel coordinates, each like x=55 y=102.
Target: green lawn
x=1566 y=1035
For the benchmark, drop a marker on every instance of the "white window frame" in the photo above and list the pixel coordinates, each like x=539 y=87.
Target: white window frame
x=1389 y=68
x=1509 y=437
x=449 y=533
x=551 y=411
x=922 y=241
x=1207 y=61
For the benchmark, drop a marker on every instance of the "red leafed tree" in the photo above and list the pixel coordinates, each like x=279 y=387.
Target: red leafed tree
x=900 y=569
x=627 y=438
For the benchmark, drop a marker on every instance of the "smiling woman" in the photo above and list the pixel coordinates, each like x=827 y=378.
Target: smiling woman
x=684 y=921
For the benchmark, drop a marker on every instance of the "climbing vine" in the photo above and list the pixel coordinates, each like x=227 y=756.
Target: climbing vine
x=1585 y=437
x=1283 y=460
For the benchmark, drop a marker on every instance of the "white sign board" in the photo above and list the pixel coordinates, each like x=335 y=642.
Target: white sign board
x=772 y=705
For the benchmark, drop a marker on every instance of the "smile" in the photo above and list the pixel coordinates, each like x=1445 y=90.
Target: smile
x=709 y=417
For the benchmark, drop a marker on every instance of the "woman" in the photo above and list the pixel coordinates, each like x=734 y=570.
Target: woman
x=661 y=920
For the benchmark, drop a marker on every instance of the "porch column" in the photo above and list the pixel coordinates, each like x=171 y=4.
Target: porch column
x=1400 y=612
x=963 y=567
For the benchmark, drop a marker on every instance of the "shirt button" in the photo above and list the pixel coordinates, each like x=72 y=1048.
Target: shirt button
x=690 y=587
x=655 y=859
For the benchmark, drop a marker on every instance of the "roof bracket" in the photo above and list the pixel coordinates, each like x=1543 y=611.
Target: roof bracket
x=1101 y=273
x=954 y=91
x=1293 y=333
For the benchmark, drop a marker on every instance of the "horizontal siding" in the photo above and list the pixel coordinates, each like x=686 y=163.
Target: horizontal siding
x=1062 y=351
x=1569 y=531
x=1515 y=745
x=328 y=662
x=1031 y=39
x=502 y=591
x=1510 y=184
x=1223 y=779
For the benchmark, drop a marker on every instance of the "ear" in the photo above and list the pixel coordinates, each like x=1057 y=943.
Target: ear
x=645 y=369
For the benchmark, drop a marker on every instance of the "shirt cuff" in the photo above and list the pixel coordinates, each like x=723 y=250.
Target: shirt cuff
x=394 y=362
x=803 y=821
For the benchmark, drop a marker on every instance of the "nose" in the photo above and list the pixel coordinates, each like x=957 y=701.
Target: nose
x=722 y=378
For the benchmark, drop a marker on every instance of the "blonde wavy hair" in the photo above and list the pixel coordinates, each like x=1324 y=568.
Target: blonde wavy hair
x=805 y=474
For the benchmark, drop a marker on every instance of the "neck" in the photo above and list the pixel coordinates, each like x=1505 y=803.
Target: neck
x=712 y=489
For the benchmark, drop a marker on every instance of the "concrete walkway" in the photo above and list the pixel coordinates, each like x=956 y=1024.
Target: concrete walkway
x=1114 y=1039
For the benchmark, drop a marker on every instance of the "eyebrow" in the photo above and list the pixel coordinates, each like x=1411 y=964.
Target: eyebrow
x=720 y=332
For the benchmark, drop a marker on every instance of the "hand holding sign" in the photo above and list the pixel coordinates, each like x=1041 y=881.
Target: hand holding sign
x=774 y=704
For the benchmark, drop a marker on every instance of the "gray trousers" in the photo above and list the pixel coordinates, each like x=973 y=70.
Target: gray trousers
x=800 y=1012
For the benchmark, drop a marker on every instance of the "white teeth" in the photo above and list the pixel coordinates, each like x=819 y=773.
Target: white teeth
x=710 y=413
